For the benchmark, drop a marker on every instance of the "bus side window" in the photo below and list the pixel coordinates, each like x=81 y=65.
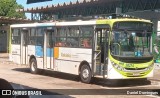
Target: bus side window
x=40 y=37
x=72 y=36
x=72 y=42
x=16 y=36
x=60 y=44
x=85 y=43
x=32 y=36
x=86 y=36
x=60 y=37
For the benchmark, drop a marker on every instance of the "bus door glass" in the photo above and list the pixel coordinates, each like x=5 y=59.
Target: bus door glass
x=49 y=48
x=24 y=45
x=39 y=46
x=101 y=48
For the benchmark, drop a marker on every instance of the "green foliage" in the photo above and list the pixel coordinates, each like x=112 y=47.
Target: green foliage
x=8 y=9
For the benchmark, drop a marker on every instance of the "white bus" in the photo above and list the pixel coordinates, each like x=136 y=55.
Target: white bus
x=112 y=48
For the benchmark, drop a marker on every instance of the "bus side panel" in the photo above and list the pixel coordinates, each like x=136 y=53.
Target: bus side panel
x=15 y=57
x=68 y=59
x=39 y=51
x=40 y=62
x=49 y=55
x=67 y=66
x=31 y=51
x=24 y=56
x=39 y=56
x=49 y=52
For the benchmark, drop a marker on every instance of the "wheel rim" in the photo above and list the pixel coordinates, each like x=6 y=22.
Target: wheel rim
x=85 y=73
x=33 y=66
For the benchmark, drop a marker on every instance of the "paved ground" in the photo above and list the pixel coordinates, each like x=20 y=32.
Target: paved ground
x=20 y=77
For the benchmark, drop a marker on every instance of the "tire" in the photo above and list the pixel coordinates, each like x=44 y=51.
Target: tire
x=33 y=66
x=85 y=73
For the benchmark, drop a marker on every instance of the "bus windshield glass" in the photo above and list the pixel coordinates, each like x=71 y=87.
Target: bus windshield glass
x=132 y=41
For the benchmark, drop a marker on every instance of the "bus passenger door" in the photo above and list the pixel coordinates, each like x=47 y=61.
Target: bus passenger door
x=101 y=50
x=48 y=50
x=24 y=46
x=39 y=47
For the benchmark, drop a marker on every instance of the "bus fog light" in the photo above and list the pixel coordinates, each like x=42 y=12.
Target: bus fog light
x=150 y=67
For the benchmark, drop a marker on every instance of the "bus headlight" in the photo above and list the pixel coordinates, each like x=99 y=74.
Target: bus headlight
x=117 y=66
x=151 y=66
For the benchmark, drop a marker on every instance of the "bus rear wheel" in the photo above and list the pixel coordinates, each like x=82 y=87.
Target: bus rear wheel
x=85 y=73
x=33 y=66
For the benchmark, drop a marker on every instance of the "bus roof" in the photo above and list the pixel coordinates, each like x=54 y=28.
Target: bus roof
x=57 y=23
x=33 y=25
x=110 y=21
x=78 y=22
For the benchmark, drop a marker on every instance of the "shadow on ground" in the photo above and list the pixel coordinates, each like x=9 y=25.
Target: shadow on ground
x=4 y=84
x=95 y=81
x=121 y=83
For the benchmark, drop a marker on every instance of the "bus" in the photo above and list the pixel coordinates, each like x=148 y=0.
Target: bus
x=115 y=48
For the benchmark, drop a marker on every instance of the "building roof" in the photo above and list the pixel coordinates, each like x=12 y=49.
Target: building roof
x=7 y=20
x=63 y=5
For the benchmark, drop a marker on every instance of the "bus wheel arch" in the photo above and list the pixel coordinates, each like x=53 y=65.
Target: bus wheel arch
x=33 y=65
x=31 y=57
x=85 y=72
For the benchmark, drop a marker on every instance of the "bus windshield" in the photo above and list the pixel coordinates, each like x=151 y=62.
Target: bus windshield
x=131 y=43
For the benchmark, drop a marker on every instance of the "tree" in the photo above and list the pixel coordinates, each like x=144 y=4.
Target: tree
x=8 y=9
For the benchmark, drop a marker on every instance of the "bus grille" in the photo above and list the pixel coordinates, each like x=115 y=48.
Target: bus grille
x=135 y=68
x=132 y=75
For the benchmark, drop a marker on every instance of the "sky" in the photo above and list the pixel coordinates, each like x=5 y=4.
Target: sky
x=23 y=3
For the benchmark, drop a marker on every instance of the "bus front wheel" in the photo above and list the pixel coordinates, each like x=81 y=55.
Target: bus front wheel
x=33 y=66
x=85 y=74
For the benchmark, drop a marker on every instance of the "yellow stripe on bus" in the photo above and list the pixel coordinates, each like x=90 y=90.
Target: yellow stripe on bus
x=56 y=52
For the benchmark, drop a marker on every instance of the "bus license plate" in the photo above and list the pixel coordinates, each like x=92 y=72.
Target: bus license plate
x=136 y=74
